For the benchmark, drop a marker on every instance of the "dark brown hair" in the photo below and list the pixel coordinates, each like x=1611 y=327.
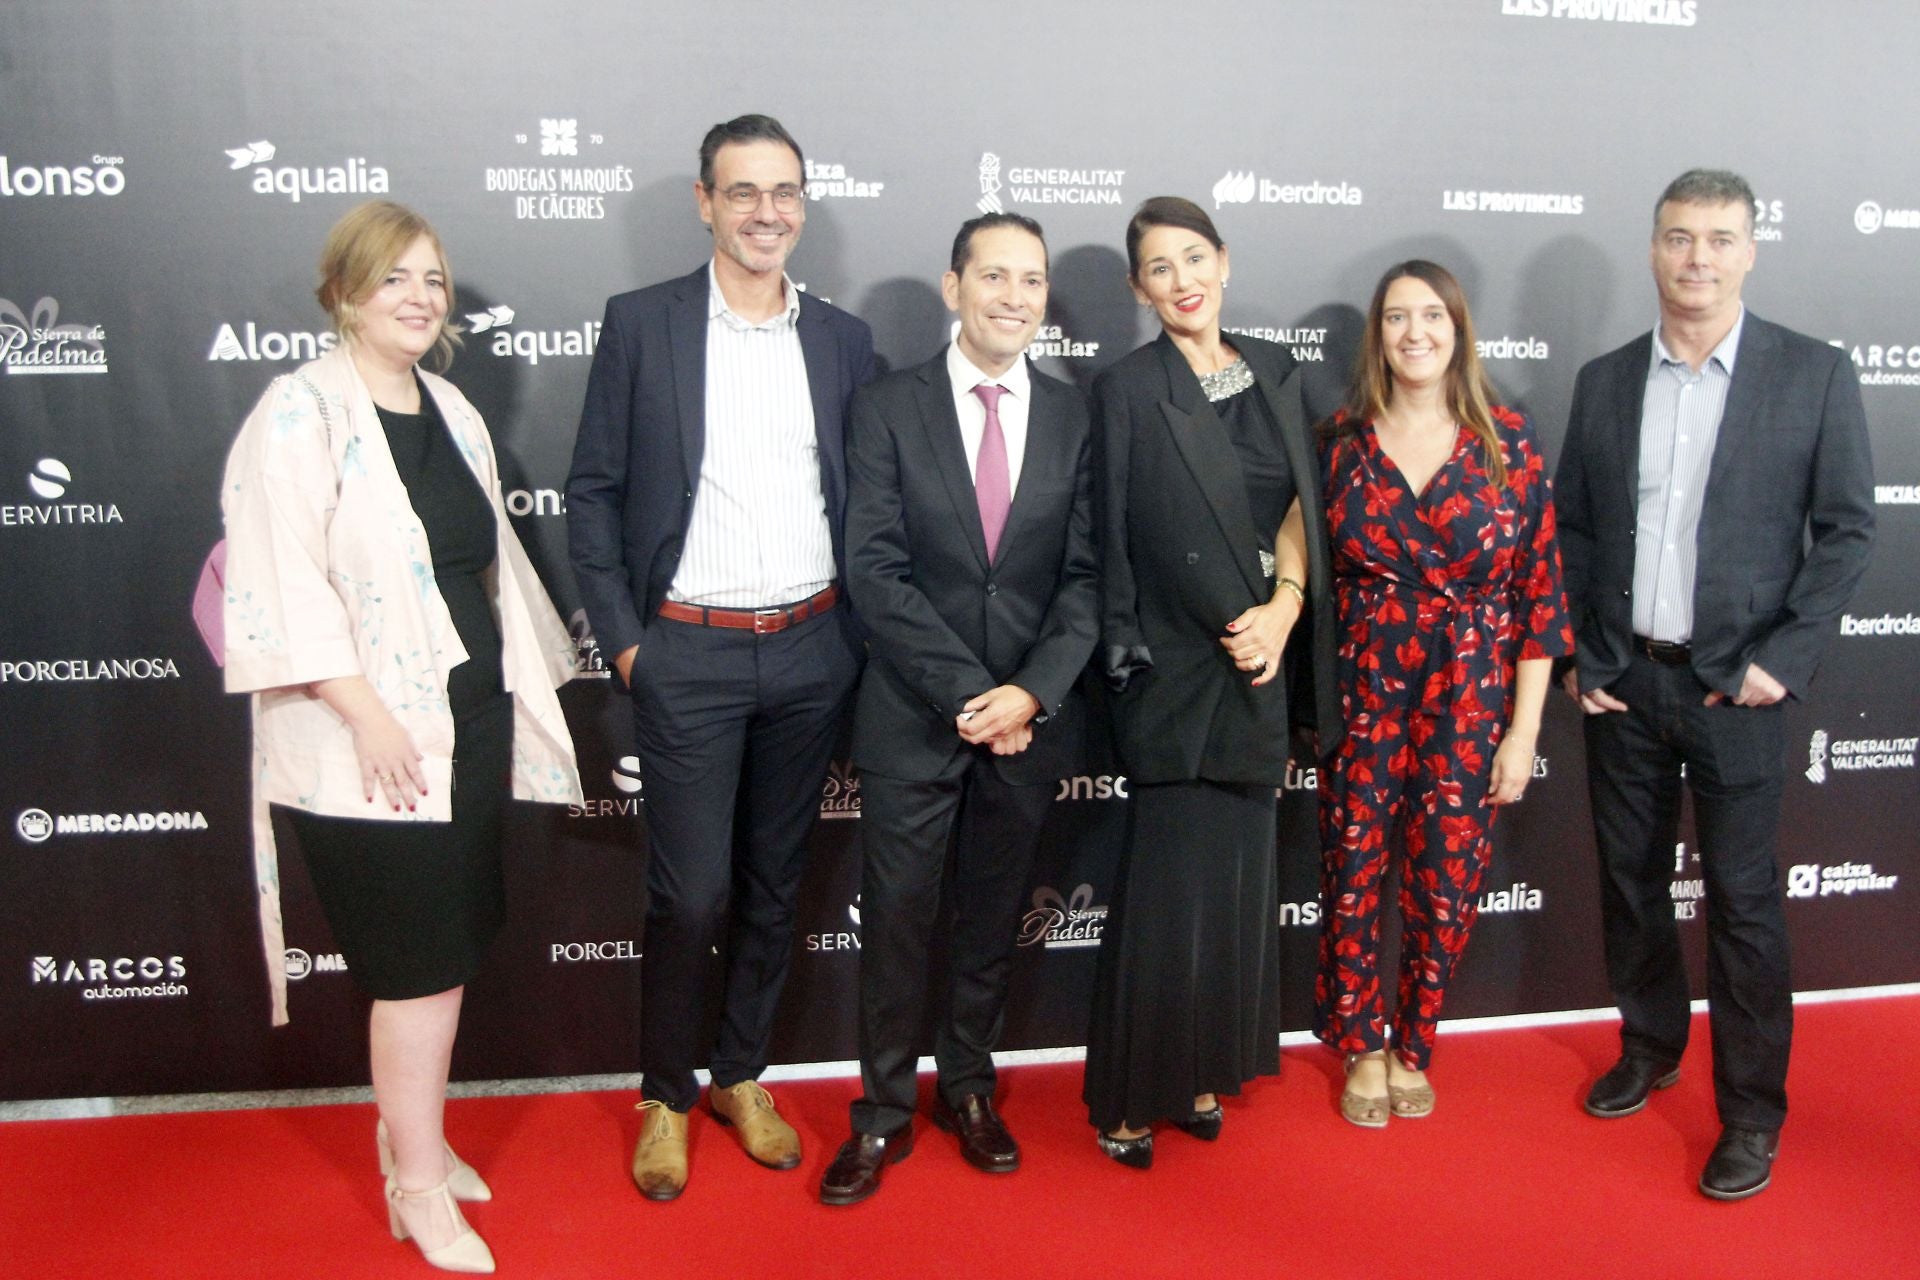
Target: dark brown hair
x=1167 y=211
x=1469 y=396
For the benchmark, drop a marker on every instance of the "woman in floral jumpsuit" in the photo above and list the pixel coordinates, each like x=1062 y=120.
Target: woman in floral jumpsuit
x=1449 y=612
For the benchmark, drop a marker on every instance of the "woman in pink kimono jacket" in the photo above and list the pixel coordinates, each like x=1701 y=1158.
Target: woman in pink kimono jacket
x=402 y=659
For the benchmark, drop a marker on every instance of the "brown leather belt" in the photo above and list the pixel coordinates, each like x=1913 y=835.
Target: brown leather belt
x=764 y=622
x=1665 y=652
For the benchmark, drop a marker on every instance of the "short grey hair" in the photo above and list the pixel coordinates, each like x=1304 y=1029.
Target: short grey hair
x=1707 y=186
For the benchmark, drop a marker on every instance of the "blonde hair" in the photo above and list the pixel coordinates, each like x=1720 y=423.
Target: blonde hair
x=361 y=249
x=1469 y=395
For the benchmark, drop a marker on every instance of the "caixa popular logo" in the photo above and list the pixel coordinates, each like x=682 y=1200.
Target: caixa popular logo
x=840 y=793
x=352 y=176
x=1072 y=921
x=300 y=964
x=1810 y=880
x=38 y=343
x=115 y=977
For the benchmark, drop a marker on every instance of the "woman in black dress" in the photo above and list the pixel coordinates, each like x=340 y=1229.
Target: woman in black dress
x=403 y=658
x=1211 y=536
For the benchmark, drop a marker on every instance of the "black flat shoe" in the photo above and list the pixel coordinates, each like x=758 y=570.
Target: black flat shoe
x=1741 y=1164
x=855 y=1172
x=1204 y=1125
x=1623 y=1090
x=1135 y=1153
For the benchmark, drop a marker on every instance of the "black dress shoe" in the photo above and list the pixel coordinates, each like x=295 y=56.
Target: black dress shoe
x=1204 y=1125
x=1741 y=1164
x=855 y=1172
x=984 y=1139
x=1135 y=1153
x=1623 y=1090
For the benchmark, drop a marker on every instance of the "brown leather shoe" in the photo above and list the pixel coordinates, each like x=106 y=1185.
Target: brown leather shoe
x=660 y=1157
x=749 y=1108
x=855 y=1172
x=984 y=1139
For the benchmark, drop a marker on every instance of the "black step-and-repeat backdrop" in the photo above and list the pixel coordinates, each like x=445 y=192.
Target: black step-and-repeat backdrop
x=167 y=173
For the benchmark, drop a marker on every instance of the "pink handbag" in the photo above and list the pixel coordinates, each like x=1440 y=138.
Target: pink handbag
x=210 y=603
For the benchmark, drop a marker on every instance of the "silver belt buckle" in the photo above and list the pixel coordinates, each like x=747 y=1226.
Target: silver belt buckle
x=763 y=618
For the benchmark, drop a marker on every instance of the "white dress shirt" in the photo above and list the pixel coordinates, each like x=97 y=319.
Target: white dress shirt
x=973 y=413
x=758 y=533
x=1679 y=423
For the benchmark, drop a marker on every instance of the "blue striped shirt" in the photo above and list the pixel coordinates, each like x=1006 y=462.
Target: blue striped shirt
x=758 y=534
x=1679 y=423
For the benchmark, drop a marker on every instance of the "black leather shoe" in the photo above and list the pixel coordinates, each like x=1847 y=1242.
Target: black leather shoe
x=984 y=1139
x=855 y=1172
x=1741 y=1164
x=1204 y=1125
x=1623 y=1090
x=1135 y=1153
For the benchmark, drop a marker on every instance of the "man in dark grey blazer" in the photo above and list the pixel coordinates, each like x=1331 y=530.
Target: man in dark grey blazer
x=970 y=559
x=704 y=511
x=1716 y=511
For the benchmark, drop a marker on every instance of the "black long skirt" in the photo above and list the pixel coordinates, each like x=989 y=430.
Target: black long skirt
x=415 y=905
x=1187 y=987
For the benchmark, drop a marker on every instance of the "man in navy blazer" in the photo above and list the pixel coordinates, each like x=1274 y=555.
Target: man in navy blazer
x=1716 y=512
x=970 y=558
x=704 y=513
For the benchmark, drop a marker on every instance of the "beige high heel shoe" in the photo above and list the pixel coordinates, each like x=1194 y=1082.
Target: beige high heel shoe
x=465 y=1252
x=462 y=1180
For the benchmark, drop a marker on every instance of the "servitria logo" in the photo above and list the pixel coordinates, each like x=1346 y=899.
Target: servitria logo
x=49 y=481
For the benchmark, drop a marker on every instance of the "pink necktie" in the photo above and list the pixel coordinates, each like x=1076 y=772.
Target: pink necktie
x=992 y=487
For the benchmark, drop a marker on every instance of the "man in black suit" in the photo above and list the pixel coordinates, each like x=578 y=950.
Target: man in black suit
x=704 y=511
x=970 y=558
x=1716 y=511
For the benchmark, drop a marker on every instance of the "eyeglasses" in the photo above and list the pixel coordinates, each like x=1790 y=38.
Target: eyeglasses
x=745 y=197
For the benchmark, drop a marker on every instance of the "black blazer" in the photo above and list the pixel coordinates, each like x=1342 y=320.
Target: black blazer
x=944 y=625
x=636 y=461
x=1791 y=460
x=1180 y=559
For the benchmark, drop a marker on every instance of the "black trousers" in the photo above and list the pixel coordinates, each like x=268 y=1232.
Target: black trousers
x=907 y=829
x=1735 y=764
x=734 y=732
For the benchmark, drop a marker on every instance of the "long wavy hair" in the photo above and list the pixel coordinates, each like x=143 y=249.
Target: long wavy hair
x=1468 y=394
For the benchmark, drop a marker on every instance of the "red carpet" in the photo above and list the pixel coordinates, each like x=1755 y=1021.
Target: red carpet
x=1508 y=1178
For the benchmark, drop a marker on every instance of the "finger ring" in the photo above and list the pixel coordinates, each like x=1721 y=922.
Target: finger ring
x=384 y=777
x=1260 y=665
